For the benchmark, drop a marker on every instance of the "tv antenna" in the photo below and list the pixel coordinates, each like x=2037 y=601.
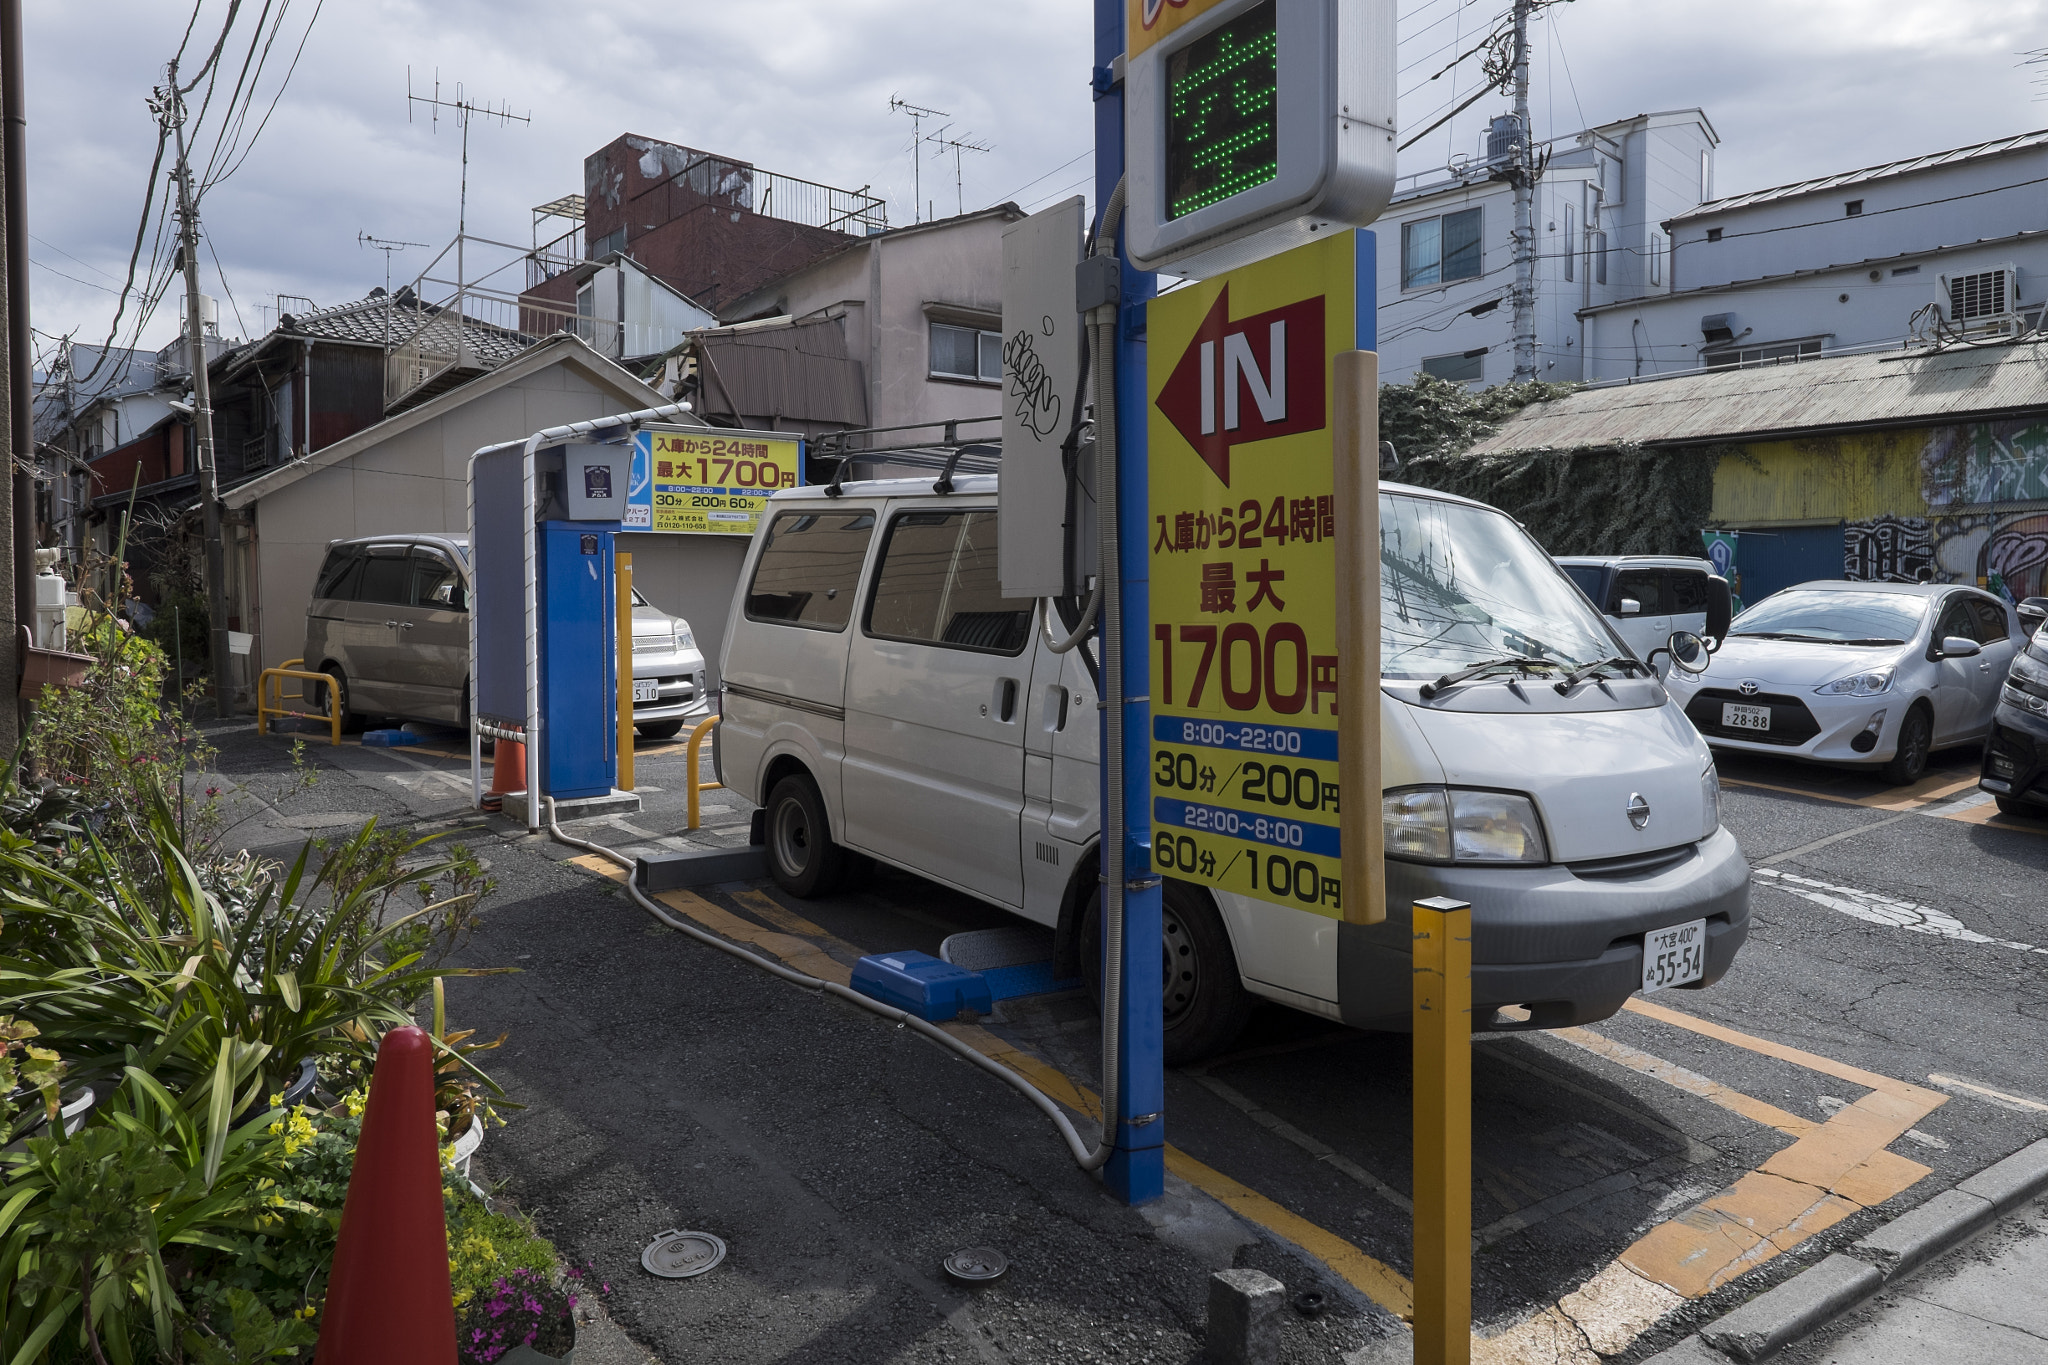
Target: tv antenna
x=387 y=247
x=967 y=143
x=918 y=114
x=464 y=111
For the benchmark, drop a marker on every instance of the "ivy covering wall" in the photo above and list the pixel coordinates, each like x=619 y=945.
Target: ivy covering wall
x=1586 y=501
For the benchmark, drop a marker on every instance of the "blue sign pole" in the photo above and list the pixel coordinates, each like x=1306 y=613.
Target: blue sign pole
x=1136 y=1174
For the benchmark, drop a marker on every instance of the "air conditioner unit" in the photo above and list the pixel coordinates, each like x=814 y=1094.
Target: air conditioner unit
x=1984 y=301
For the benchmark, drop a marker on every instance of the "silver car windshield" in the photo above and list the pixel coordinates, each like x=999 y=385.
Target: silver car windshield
x=1460 y=585
x=1835 y=618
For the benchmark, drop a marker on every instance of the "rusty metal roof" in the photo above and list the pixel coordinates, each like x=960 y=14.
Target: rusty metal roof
x=1885 y=388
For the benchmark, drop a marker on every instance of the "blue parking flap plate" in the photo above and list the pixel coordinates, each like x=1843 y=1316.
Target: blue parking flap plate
x=390 y=738
x=1027 y=978
x=921 y=984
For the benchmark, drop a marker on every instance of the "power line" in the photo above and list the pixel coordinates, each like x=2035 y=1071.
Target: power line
x=1047 y=176
x=43 y=265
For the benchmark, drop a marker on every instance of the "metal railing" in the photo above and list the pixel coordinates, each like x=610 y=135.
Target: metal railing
x=697 y=733
x=736 y=184
x=276 y=676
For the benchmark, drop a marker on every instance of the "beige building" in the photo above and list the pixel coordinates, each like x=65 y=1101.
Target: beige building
x=409 y=473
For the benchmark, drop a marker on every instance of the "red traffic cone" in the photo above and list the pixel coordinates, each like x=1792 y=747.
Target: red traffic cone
x=388 y=1298
x=508 y=773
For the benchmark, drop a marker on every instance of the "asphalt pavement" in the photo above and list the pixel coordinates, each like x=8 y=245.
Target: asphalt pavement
x=1878 y=1041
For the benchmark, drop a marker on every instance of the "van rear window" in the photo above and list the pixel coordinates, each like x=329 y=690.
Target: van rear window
x=809 y=568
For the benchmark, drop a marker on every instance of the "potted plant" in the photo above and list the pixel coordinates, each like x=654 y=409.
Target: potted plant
x=526 y=1318
x=459 y=1099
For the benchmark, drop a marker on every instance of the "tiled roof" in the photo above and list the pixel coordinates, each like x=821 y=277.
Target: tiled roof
x=364 y=321
x=1869 y=173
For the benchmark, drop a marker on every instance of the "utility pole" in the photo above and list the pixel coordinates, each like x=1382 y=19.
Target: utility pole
x=170 y=106
x=1524 y=175
x=918 y=114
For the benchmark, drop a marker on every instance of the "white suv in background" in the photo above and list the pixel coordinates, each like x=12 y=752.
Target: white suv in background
x=1644 y=597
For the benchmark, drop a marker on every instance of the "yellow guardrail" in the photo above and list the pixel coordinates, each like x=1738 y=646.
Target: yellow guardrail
x=332 y=715
x=697 y=733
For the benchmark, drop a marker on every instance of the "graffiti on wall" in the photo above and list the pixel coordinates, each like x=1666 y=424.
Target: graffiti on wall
x=1986 y=462
x=1888 y=549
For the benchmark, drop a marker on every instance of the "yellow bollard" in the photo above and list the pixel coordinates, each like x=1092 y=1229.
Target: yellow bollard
x=624 y=574
x=1443 y=1132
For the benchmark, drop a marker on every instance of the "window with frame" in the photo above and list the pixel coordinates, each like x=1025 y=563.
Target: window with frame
x=1571 y=240
x=1656 y=258
x=809 y=569
x=1778 y=351
x=387 y=577
x=1991 y=624
x=1644 y=586
x=338 y=575
x=1688 y=592
x=1439 y=250
x=1466 y=367
x=971 y=353
x=936 y=585
x=436 y=584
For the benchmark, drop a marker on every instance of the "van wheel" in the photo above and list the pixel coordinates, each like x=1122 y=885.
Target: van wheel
x=1202 y=995
x=351 y=721
x=1916 y=737
x=801 y=855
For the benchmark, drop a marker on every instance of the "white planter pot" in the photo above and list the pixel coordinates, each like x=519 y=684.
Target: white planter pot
x=466 y=1145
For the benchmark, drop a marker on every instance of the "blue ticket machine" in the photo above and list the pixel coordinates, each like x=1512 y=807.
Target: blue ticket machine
x=579 y=689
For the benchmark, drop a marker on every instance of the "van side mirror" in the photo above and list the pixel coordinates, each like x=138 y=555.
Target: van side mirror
x=1956 y=647
x=1630 y=607
x=1720 y=608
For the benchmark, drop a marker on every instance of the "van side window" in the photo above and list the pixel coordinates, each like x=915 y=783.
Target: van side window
x=387 y=577
x=1688 y=591
x=809 y=568
x=338 y=574
x=937 y=585
x=1640 y=584
x=435 y=583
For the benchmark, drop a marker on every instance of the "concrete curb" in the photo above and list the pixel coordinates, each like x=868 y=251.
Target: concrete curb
x=1809 y=1300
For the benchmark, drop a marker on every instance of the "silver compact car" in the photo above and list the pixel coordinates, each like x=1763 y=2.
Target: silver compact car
x=668 y=671
x=1873 y=674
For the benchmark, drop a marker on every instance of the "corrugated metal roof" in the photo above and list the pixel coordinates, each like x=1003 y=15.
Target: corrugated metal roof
x=799 y=371
x=1885 y=388
x=1890 y=168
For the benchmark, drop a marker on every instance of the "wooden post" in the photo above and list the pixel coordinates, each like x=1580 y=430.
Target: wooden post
x=624 y=574
x=1355 y=409
x=1443 y=1132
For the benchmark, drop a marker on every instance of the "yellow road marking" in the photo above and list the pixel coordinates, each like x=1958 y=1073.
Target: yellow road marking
x=1991 y=817
x=1831 y=1170
x=798 y=953
x=1928 y=791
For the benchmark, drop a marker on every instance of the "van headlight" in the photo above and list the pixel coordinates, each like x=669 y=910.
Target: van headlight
x=1871 y=684
x=1710 y=793
x=1453 y=824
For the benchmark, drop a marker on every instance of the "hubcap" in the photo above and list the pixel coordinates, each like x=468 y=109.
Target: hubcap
x=1181 y=965
x=792 y=838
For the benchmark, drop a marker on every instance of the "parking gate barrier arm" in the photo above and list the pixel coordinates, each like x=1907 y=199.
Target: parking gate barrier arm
x=697 y=733
x=270 y=677
x=1443 y=1131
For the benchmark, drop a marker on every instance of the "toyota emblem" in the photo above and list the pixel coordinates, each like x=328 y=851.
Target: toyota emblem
x=1638 y=810
x=1747 y=689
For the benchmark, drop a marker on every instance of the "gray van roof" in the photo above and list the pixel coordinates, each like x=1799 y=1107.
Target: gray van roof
x=986 y=483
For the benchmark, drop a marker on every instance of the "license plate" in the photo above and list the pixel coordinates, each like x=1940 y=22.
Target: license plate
x=646 y=689
x=1674 y=956
x=1736 y=716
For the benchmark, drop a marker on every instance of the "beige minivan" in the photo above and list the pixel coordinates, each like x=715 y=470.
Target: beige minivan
x=389 y=620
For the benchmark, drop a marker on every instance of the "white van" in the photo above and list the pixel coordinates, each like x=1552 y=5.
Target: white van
x=1645 y=597
x=882 y=698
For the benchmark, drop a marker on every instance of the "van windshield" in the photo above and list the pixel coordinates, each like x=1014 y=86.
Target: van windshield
x=1460 y=585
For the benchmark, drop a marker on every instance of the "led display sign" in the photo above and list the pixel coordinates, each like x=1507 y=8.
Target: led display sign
x=1223 y=112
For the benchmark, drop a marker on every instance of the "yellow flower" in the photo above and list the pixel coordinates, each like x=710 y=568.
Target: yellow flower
x=355 y=1101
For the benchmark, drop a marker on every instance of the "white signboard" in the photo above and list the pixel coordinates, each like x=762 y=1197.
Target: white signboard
x=1041 y=384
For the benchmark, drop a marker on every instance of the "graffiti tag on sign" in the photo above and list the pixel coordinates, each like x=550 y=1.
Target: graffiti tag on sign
x=1245 y=794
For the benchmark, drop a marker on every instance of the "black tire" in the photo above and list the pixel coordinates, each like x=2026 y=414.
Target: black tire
x=352 y=722
x=801 y=855
x=660 y=729
x=2023 y=810
x=1916 y=740
x=1203 y=997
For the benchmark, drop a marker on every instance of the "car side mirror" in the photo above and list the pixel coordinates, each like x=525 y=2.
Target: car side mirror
x=1720 y=607
x=2032 y=611
x=1630 y=607
x=1689 y=651
x=1956 y=647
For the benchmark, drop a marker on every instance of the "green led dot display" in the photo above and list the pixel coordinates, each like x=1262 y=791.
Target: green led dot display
x=1223 y=112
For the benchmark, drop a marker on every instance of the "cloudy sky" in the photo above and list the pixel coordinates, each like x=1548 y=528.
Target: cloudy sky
x=1795 y=89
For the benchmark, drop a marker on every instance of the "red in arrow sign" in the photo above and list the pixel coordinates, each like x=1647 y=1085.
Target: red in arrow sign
x=1250 y=379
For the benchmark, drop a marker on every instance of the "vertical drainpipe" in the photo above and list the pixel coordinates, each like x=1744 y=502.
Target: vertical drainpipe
x=306 y=398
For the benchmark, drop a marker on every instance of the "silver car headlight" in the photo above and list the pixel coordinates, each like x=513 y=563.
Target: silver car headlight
x=684 y=640
x=1443 y=825
x=1873 y=683
x=1710 y=793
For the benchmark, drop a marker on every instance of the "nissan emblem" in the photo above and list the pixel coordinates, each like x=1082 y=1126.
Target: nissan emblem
x=1638 y=810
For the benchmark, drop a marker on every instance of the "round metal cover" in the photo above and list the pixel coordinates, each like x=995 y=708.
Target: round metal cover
x=678 y=1255
x=977 y=1264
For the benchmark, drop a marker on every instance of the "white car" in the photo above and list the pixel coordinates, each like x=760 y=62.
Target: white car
x=668 y=672
x=1644 y=597
x=1876 y=674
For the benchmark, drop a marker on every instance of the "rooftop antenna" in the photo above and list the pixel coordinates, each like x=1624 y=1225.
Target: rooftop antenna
x=918 y=114
x=966 y=143
x=463 y=110
x=387 y=247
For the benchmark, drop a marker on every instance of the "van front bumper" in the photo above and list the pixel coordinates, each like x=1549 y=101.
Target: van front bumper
x=1565 y=945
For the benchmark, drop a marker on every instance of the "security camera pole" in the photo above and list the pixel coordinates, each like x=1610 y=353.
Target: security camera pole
x=170 y=106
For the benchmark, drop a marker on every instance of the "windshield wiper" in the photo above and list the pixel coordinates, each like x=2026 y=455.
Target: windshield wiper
x=1565 y=684
x=1872 y=641
x=1520 y=662
x=1787 y=635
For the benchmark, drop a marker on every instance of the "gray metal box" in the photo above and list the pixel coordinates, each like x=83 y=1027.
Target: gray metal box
x=594 y=481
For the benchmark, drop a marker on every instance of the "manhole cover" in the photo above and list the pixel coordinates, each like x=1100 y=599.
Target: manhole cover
x=976 y=1264
x=677 y=1255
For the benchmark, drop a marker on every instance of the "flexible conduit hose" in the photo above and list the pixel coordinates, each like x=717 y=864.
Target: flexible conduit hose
x=1088 y=1160
x=1080 y=631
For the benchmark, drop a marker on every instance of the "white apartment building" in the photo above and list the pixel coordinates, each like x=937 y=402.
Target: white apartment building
x=1446 y=247
x=1838 y=262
